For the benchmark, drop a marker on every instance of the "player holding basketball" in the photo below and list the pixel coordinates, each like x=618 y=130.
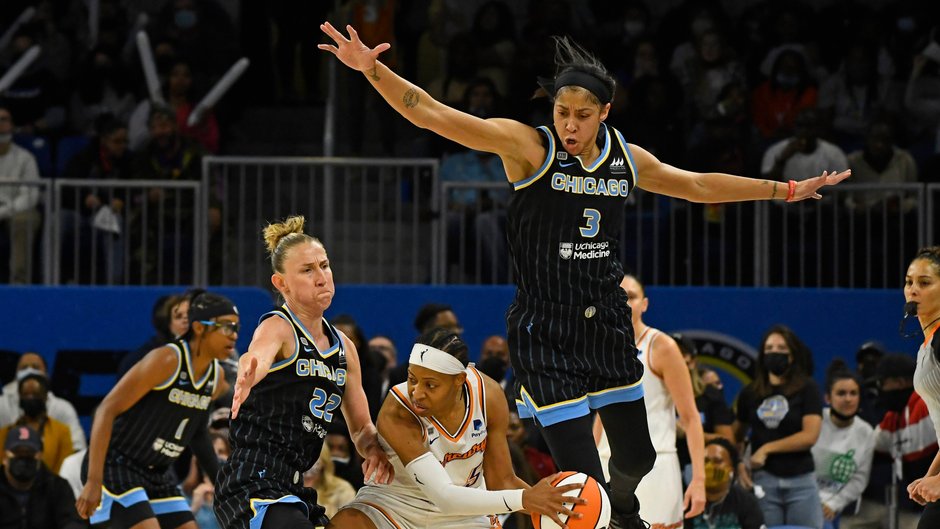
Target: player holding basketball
x=155 y=411
x=299 y=373
x=444 y=430
x=571 y=343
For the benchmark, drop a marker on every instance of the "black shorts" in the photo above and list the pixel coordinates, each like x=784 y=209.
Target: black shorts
x=246 y=500
x=131 y=493
x=568 y=360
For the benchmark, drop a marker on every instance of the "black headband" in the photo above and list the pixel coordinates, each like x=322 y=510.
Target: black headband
x=205 y=306
x=578 y=78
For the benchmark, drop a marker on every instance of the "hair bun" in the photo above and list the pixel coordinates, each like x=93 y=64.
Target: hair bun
x=273 y=233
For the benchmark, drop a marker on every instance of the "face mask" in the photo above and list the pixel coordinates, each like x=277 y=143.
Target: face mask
x=837 y=415
x=787 y=80
x=33 y=407
x=777 y=363
x=633 y=28
x=494 y=367
x=6 y=138
x=185 y=18
x=716 y=476
x=896 y=399
x=24 y=469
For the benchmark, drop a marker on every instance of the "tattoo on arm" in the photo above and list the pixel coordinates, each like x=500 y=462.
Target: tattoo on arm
x=774 y=195
x=411 y=98
x=374 y=74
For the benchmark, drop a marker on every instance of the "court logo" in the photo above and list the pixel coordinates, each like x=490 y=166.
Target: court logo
x=618 y=166
x=565 y=249
x=307 y=423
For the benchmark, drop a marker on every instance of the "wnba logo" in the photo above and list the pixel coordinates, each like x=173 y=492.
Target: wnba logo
x=565 y=249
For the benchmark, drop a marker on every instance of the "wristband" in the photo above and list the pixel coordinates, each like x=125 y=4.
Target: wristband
x=791 y=190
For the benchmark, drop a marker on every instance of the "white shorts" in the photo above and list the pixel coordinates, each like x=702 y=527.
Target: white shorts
x=388 y=510
x=660 y=493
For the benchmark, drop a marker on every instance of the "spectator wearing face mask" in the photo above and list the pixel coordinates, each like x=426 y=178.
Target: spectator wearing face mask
x=776 y=102
x=494 y=361
x=728 y=505
x=33 y=391
x=30 y=495
x=57 y=408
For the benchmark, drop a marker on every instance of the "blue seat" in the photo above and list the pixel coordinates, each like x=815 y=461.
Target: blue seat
x=41 y=149
x=68 y=147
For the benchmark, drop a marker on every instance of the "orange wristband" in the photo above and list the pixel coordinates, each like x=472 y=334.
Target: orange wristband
x=791 y=185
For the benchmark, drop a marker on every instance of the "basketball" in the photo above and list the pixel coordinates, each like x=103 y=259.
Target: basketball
x=596 y=513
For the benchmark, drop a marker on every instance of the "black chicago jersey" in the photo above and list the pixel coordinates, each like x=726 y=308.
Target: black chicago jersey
x=565 y=222
x=279 y=431
x=155 y=430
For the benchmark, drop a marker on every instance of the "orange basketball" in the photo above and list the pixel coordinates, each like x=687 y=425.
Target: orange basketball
x=596 y=513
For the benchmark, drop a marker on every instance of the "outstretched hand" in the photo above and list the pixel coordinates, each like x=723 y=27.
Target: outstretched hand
x=243 y=384
x=809 y=188
x=352 y=52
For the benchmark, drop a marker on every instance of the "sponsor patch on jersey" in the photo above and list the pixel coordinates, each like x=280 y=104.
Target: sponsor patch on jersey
x=561 y=155
x=618 y=166
x=307 y=423
x=477 y=425
x=565 y=249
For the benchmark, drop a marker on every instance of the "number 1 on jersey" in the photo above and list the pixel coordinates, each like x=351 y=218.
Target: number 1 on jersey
x=593 y=223
x=181 y=429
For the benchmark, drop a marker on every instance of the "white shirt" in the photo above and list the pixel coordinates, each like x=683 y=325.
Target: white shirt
x=18 y=164
x=843 y=461
x=801 y=166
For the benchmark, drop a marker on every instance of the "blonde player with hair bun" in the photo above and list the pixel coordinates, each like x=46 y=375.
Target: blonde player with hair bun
x=444 y=430
x=299 y=373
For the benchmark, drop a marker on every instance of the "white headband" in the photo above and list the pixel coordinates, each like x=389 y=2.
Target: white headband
x=435 y=360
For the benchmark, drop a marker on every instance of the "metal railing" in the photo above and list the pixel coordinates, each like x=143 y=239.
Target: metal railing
x=857 y=236
x=120 y=232
x=376 y=217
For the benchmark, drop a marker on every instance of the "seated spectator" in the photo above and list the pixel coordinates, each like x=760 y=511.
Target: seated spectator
x=432 y=315
x=905 y=438
x=541 y=463
x=102 y=90
x=371 y=380
x=728 y=505
x=56 y=438
x=333 y=491
x=844 y=450
x=776 y=102
x=804 y=155
x=849 y=99
x=19 y=219
x=172 y=157
x=704 y=74
x=384 y=348
x=882 y=162
x=170 y=320
x=202 y=496
x=346 y=462
x=58 y=408
x=494 y=361
x=782 y=410
x=94 y=212
x=31 y=496
x=179 y=88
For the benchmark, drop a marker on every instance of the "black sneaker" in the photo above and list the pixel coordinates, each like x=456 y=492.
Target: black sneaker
x=627 y=521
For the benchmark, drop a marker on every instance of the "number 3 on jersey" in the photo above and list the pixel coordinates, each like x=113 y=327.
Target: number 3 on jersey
x=593 y=223
x=322 y=406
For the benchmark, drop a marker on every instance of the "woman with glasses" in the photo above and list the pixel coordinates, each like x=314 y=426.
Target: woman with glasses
x=158 y=409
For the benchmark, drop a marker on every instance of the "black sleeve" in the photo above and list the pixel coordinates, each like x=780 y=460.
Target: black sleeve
x=745 y=403
x=718 y=411
x=812 y=399
x=201 y=446
x=749 y=513
x=63 y=504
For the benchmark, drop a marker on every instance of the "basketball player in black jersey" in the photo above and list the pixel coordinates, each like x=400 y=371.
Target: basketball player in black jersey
x=298 y=375
x=570 y=336
x=155 y=411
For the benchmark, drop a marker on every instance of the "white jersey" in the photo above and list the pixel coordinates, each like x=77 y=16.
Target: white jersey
x=927 y=379
x=660 y=408
x=460 y=452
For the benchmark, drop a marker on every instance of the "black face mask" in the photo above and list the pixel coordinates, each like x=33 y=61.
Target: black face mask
x=33 y=407
x=895 y=399
x=777 y=363
x=494 y=367
x=24 y=469
x=837 y=415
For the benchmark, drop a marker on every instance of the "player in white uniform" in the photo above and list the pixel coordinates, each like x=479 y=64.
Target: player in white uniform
x=444 y=431
x=667 y=387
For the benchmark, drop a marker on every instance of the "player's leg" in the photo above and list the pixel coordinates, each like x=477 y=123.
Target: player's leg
x=572 y=445
x=351 y=519
x=631 y=453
